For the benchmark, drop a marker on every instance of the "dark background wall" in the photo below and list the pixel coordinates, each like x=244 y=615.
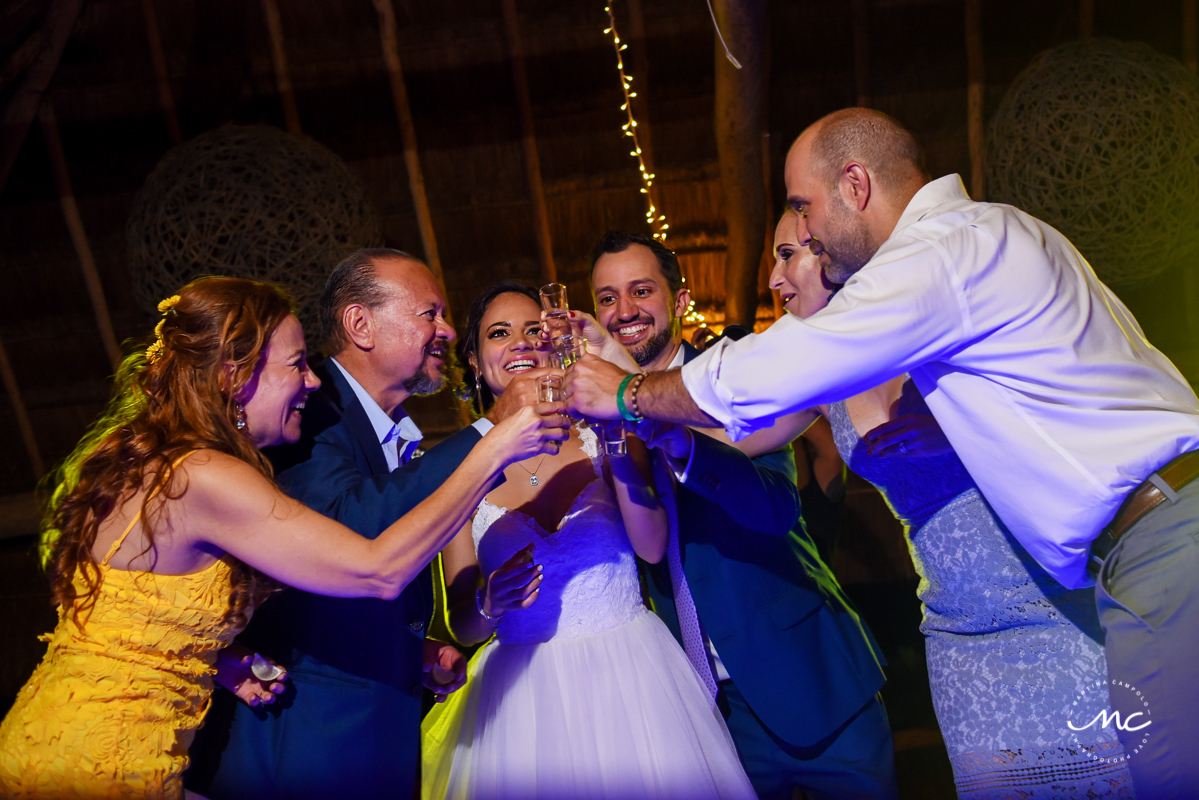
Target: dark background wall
x=463 y=102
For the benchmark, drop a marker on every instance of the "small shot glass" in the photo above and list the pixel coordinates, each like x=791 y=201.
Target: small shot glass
x=615 y=440
x=557 y=311
x=563 y=343
x=549 y=389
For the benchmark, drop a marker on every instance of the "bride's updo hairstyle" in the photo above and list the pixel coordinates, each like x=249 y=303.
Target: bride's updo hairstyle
x=179 y=394
x=469 y=345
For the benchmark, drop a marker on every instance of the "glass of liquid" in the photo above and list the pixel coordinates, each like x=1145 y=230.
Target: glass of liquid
x=549 y=389
x=557 y=314
x=615 y=439
x=570 y=352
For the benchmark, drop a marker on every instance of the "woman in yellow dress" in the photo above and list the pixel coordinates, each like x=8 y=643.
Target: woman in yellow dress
x=165 y=526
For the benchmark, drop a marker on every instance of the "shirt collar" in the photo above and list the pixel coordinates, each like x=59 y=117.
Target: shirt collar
x=383 y=424
x=946 y=189
x=679 y=356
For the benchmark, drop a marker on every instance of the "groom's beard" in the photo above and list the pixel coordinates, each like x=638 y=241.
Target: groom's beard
x=651 y=348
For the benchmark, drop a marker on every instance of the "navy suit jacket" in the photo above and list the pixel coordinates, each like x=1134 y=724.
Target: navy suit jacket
x=349 y=724
x=786 y=633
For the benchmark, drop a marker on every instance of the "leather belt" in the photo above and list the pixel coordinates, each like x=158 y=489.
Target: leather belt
x=1157 y=489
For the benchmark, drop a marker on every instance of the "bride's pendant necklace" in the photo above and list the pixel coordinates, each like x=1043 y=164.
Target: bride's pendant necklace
x=532 y=473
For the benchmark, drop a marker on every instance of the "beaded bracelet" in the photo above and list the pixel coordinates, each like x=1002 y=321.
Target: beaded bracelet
x=635 y=387
x=479 y=605
x=625 y=413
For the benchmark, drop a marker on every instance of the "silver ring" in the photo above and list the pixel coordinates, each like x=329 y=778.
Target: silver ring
x=903 y=448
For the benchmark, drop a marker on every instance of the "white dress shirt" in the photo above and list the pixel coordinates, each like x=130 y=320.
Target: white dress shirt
x=390 y=431
x=1040 y=377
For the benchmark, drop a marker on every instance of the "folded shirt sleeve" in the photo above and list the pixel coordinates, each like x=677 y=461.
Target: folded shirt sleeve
x=905 y=308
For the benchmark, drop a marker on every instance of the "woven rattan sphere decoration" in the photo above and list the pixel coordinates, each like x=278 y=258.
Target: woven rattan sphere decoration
x=252 y=202
x=1101 y=140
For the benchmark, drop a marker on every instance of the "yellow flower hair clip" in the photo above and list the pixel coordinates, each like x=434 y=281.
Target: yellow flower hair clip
x=154 y=351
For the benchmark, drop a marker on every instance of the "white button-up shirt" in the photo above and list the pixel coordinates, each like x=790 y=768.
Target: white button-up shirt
x=399 y=438
x=1040 y=377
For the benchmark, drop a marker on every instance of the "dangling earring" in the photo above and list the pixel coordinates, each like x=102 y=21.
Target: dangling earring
x=240 y=412
x=478 y=389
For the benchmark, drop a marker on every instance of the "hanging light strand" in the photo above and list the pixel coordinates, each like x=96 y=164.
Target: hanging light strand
x=656 y=221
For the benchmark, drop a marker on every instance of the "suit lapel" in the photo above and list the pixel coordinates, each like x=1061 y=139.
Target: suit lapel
x=353 y=416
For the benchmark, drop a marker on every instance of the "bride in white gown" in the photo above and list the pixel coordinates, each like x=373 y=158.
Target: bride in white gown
x=583 y=692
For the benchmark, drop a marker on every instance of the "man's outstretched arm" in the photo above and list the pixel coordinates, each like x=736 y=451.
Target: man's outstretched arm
x=592 y=383
x=662 y=396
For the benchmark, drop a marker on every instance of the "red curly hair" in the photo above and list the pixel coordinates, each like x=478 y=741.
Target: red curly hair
x=212 y=342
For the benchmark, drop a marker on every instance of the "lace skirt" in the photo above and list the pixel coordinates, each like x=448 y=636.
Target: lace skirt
x=620 y=714
x=1013 y=660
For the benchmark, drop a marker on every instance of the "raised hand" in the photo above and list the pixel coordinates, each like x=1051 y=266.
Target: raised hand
x=514 y=585
x=521 y=392
x=233 y=672
x=599 y=341
x=444 y=668
x=531 y=430
x=910 y=435
x=590 y=388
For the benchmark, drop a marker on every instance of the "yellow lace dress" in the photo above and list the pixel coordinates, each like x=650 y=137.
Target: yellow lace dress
x=113 y=707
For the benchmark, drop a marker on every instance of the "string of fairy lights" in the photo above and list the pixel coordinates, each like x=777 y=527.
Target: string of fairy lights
x=656 y=220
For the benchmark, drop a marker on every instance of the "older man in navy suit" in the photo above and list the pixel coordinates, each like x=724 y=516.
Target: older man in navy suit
x=349 y=723
x=792 y=666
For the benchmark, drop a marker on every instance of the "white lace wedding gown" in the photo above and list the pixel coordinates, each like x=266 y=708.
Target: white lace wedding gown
x=585 y=694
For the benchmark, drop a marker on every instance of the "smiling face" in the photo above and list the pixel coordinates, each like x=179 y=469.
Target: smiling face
x=798 y=276
x=634 y=302
x=411 y=336
x=507 y=335
x=275 y=395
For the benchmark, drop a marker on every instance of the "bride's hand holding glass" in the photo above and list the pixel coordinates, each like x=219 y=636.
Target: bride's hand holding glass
x=530 y=431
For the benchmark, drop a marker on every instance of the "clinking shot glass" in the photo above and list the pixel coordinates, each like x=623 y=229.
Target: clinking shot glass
x=549 y=390
x=615 y=440
x=557 y=312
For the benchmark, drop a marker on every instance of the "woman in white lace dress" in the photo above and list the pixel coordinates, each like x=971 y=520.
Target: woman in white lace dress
x=583 y=692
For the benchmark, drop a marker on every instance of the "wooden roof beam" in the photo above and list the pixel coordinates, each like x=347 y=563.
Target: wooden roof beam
x=60 y=21
x=158 y=56
x=416 y=177
x=541 y=219
x=70 y=212
x=291 y=115
x=975 y=94
x=739 y=101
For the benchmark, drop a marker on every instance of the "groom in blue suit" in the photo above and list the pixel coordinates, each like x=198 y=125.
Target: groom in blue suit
x=348 y=724
x=795 y=671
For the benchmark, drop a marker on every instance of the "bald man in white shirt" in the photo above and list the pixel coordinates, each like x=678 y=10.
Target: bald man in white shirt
x=1080 y=434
